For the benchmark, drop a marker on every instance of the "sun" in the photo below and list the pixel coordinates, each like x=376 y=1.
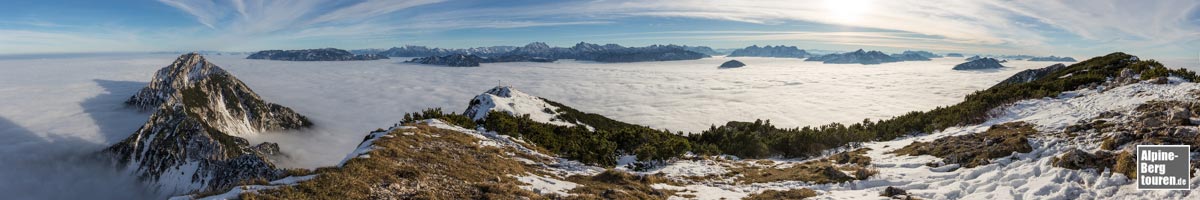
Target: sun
x=847 y=10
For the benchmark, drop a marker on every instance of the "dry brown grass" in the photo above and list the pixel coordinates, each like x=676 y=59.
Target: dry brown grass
x=612 y=184
x=799 y=193
x=1125 y=164
x=976 y=149
x=828 y=170
x=431 y=164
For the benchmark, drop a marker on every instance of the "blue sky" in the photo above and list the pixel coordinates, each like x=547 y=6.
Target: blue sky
x=1165 y=30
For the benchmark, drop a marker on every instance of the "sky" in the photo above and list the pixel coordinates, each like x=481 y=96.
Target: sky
x=1164 y=30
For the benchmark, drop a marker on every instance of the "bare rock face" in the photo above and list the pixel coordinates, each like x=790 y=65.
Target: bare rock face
x=190 y=143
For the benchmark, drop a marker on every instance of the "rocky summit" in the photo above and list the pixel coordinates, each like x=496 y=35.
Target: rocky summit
x=190 y=143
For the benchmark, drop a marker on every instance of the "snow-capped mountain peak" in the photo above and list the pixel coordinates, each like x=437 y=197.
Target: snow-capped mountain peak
x=190 y=143
x=509 y=100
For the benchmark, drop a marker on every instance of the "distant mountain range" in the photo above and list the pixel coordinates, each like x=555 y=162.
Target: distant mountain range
x=856 y=57
x=326 y=54
x=492 y=51
x=541 y=52
x=702 y=49
x=468 y=60
x=913 y=55
x=860 y=56
x=1053 y=59
x=422 y=51
x=780 y=51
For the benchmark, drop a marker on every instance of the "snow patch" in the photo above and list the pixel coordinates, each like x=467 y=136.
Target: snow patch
x=544 y=185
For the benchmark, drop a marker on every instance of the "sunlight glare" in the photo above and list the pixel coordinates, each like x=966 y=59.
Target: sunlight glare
x=847 y=10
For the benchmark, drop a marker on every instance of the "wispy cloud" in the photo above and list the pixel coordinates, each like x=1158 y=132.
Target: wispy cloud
x=206 y=12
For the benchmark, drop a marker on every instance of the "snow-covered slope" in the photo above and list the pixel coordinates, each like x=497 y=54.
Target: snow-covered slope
x=189 y=143
x=1020 y=176
x=509 y=100
x=1026 y=175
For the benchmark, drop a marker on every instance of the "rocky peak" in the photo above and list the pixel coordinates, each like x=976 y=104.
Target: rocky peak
x=190 y=142
x=186 y=69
